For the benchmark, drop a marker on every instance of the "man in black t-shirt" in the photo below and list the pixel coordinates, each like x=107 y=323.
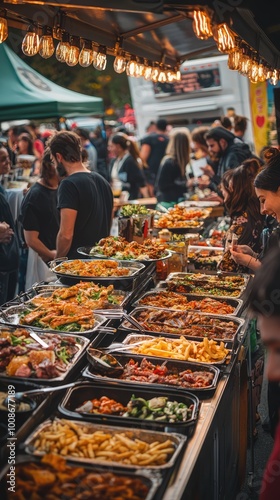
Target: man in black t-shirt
x=85 y=199
x=152 y=151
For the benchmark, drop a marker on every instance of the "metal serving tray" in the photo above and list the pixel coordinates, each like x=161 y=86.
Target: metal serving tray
x=84 y=391
x=172 y=365
x=178 y=441
x=236 y=303
x=70 y=279
x=135 y=313
x=81 y=343
x=173 y=278
x=149 y=478
x=87 y=251
x=11 y=316
x=132 y=338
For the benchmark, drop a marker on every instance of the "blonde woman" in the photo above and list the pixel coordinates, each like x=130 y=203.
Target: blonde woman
x=173 y=174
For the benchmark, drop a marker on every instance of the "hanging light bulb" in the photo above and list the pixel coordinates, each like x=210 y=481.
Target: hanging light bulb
x=274 y=77
x=86 y=54
x=162 y=75
x=148 y=68
x=140 y=66
x=201 y=24
x=224 y=37
x=120 y=62
x=177 y=73
x=253 y=73
x=262 y=72
x=234 y=59
x=30 y=43
x=62 y=49
x=170 y=75
x=245 y=63
x=155 y=73
x=101 y=60
x=74 y=52
x=3 y=29
x=131 y=67
x=46 y=45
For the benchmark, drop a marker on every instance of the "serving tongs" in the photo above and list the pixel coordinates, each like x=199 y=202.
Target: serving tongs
x=120 y=314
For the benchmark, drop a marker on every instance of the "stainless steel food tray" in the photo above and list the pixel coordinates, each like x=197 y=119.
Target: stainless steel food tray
x=70 y=278
x=152 y=480
x=81 y=343
x=236 y=303
x=225 y=319
x=11 y=316
x=87 y=251
x=172 y=365
x=132 y=338
x=178 y=441
x=173 y=278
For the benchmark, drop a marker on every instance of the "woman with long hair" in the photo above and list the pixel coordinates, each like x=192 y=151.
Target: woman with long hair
x=172 y=176
x=242 y=205
x=126 y=167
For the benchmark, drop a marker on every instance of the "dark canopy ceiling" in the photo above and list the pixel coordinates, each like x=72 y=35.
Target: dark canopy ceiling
x=152 y=28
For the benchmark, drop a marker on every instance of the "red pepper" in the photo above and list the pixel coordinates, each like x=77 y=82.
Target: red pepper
x=160 y=371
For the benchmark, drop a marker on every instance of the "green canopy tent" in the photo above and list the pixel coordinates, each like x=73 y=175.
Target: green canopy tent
x=26 y=94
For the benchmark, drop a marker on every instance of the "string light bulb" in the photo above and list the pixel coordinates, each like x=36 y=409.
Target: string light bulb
x=86 y=54
x=202 y=24
x=63 y=48
x=100 y=61
x=120 y=62
x=46 y=45
x=74 y=52
x=274 y=77
x=3 y=29
x=148 y=68
x=30 y=43
x=131 y=67
x=234 y=60
x=224 y=37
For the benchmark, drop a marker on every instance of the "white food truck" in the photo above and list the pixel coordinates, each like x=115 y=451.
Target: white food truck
x=206 y=90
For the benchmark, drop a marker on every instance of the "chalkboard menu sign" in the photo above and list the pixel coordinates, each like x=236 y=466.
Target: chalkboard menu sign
x=194 y=79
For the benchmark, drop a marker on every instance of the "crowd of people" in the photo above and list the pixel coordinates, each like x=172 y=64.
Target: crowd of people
x=70 y=204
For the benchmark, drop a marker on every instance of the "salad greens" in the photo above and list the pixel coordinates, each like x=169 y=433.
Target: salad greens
x=158 y=408
x=129 y=210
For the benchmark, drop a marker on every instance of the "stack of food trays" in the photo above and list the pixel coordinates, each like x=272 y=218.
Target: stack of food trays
x=143 y=458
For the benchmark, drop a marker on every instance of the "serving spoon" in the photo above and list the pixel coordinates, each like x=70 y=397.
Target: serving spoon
x=104 y=363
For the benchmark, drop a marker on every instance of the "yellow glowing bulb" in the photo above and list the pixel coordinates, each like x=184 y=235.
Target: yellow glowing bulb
x=73 y=55
x=224 y=37
x=63 y=48
x=120 y=63
x=46 y=46
x=30 y=43
x=201 y=25
x=234 y=58
x=131 y=68
x=100 y=61
x=86 y=57
x=3 y=29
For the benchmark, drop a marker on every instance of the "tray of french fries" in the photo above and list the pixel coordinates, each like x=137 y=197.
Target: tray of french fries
x=157 y=372
x=166 y=299
x=106 y=445
x=205 y=351
x=189 y=323
x=52 y=476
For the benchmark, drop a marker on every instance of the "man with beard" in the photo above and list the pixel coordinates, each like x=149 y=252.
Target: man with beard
x=85 y=198
x=229 y=150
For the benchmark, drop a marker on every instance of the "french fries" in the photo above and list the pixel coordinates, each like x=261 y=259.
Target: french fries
x=207 y=351
x=67 y=438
